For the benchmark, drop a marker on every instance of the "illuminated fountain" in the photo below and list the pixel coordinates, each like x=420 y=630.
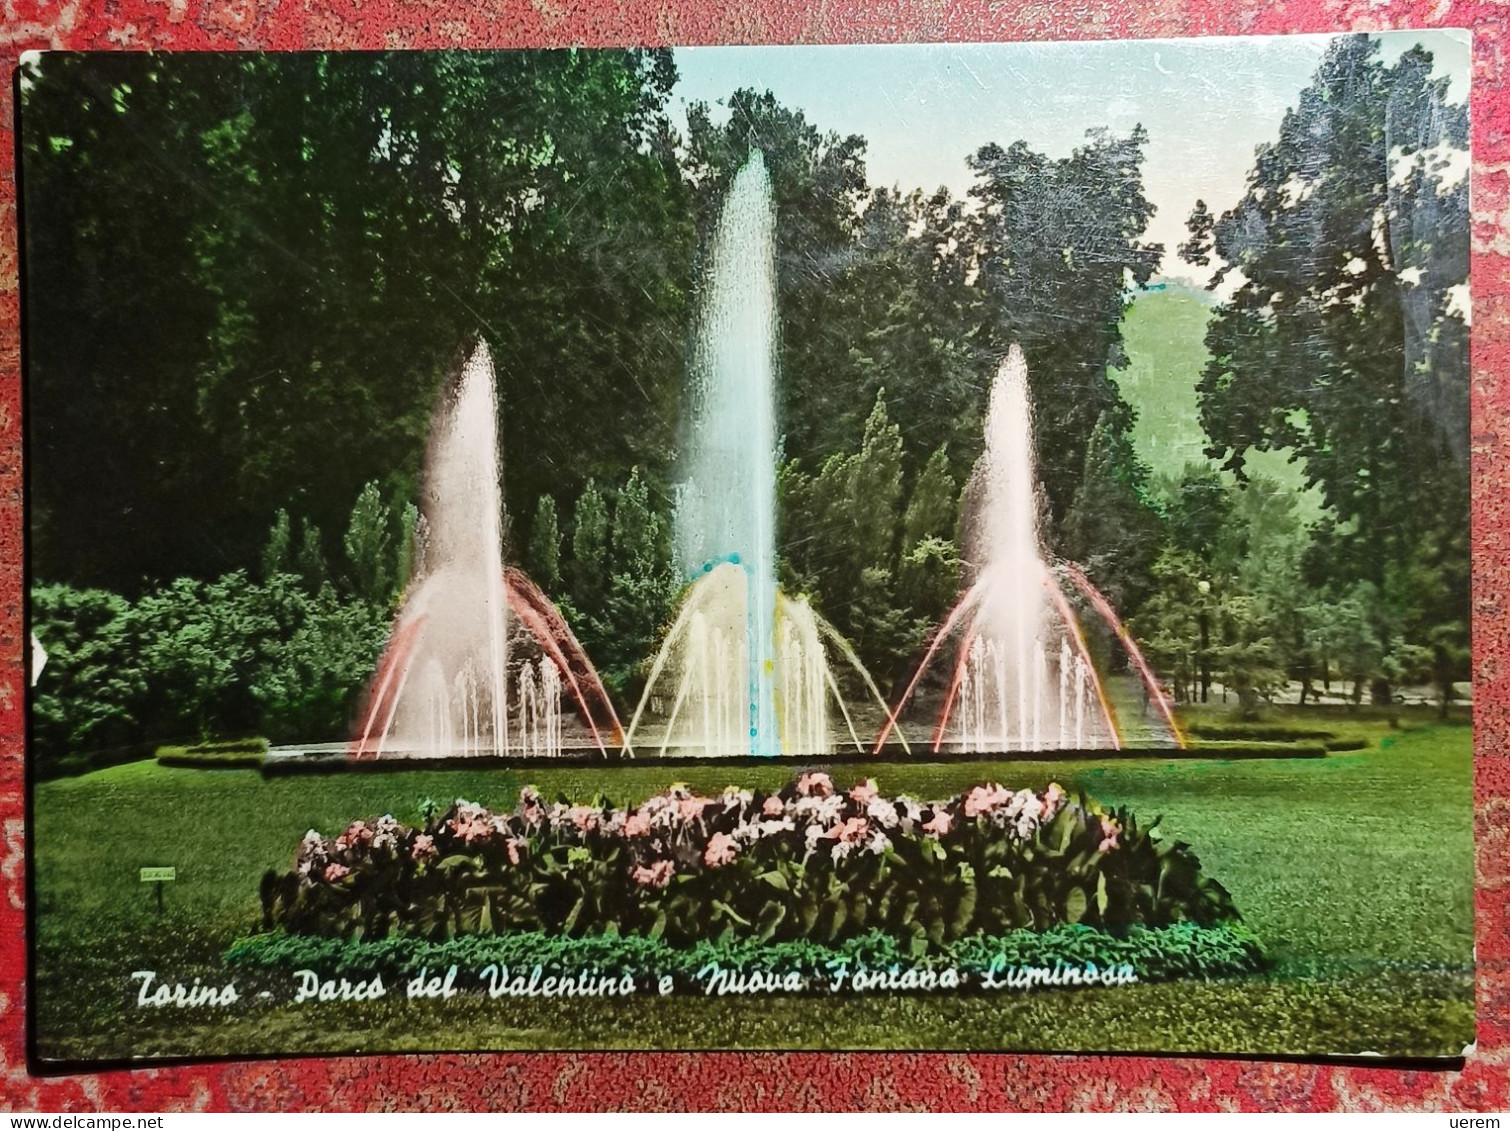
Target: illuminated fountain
x=479 y=658
x=744 y=669
x=1023 y=678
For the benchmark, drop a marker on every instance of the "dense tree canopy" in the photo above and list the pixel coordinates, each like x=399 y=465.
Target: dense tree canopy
x=246 y=275
x=1346 y=342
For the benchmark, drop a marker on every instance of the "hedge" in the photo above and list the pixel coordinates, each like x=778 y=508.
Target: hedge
x=239 y=753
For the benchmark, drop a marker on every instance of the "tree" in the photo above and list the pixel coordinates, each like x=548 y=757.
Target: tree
x=1057 y=246
x=1349 y=640
x=1200 y=512
x=368 y=546
x=409 y=537
x=933 y=509
x=1170 y=624
x=326 y=229
x=312 y=672
x=1112 y=528
x=1344 y=342
x=1247 y=659
x=848 y=555
x=277 y=555
x=309 y=562
x=589 y=551
x=543 y=554
x=641 y=586
x=1202 y=226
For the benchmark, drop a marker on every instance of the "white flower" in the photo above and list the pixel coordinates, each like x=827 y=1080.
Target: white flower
x=313 y=856
x=878 y=843
x=746 y=832
x=385 y=832
x=883 y=812
x=822 y=809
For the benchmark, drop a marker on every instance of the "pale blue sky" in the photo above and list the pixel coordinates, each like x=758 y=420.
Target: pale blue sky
x=923 y=108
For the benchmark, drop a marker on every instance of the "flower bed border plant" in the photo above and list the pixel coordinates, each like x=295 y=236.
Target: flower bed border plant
x=807 y=863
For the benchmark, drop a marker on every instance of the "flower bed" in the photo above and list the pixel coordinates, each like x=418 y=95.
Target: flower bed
x=808 y=863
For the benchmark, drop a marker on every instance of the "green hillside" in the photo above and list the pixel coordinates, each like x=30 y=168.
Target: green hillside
x=1164 y=333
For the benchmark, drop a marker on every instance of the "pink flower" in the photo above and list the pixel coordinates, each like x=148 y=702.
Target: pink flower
x=513 y=847
x=939 y=825
x=864 y=793
x=584 y=817
x=1053 y=797
x=773 y=807
x=424 y=847
x=984 y=798
x=470 y=829
x=356 y=833
x=815 y=785
x=1110 y=831
x=334 y=872
x=721 y=849
x=657 y=875
x=636 y=824
x=851 y=831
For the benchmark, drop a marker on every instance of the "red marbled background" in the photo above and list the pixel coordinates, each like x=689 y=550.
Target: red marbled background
x=751 y=1081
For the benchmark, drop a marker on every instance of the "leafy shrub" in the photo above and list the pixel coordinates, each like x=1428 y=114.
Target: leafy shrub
x=1180 y=951
x=806 y=863
x=190 y=659
x=85 y=703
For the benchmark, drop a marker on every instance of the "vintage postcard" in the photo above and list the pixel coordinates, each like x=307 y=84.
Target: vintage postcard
x=913 y=547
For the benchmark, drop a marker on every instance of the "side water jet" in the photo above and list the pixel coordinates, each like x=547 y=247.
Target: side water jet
x=744 y=668
x=1022 y=677
x=478 y=656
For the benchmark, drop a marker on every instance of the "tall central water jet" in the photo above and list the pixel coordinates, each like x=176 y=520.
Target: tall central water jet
x=726 y=500
x=744 y=668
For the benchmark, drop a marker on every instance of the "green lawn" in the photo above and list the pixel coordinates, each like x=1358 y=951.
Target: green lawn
x=1356 y=870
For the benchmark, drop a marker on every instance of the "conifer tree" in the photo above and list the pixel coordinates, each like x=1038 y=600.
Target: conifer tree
x=276 y=554
x=589 y=550
x=367 y=546
x=543 y=555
